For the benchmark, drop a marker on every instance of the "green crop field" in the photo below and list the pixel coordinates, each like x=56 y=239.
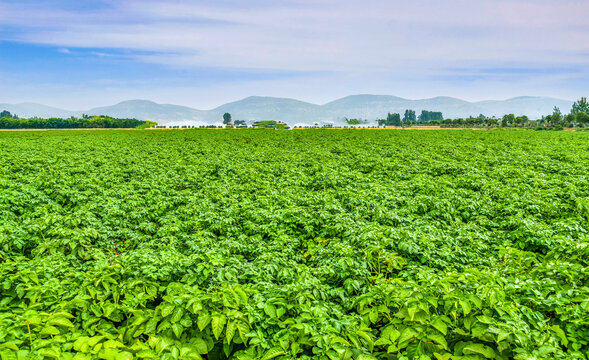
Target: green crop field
x=306 y=244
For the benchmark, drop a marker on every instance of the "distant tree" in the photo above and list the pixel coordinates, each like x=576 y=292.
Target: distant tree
x=391 y=120
x=582 y=118
x=507 y=120
x=556 y=117
x=394 y=119
x=521 y=120
x=226 y=118
x=430 y=115
x=5 y=114
x=570 y=119
x=72 y=123
x=580 y=106
x=409 y=116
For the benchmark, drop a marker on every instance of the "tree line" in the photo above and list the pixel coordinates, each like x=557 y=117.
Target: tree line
x=578 y=116
x=409 y=118
x=10 y=121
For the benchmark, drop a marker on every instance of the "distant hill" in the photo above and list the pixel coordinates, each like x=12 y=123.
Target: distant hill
x=256 y=108
x=28 y=109
x=149 y=110
x=293 y=111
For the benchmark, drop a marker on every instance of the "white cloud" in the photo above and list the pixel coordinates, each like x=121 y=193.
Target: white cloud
x=382 y=45
x=319 y=35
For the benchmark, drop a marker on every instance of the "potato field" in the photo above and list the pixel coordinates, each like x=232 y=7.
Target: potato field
x=303 y=244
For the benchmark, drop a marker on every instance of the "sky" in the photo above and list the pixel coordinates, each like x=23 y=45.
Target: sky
x=80 y=54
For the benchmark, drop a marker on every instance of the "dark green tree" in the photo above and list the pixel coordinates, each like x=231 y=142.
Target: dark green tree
x=409 y=116
x=430 y=115
x=556 y=117
x=508 y=120
x=226 y=118
x=580 y=106
x=582 y=118
x=521 y=120
x=7 y=114
x=394 y=119
x=72 y=123
x=391 y=120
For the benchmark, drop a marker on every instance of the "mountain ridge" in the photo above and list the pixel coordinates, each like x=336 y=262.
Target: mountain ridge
x=293 y=111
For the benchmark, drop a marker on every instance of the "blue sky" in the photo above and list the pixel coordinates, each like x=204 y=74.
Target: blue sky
x=81 y=54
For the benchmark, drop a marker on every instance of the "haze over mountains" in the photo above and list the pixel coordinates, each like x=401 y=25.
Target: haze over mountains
x=293 y=112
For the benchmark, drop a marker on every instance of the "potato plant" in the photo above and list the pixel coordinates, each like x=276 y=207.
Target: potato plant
x=304 y=244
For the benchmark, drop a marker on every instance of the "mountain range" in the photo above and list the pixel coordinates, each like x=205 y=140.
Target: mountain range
x=295 y=112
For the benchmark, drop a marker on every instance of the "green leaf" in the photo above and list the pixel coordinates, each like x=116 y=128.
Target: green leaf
x=242 y=295
x=60 y=321
x=201 y=346
x=146 y=354
x=270 y=310
x=10 y=346
x=230 y=332
x=138 y=320
x=50 y=353
x=227 y=349
x=95 y=340
x=465 y=306
x=485 y=319
x=151 y=326
x=189 y=352
x=166 y=309
x=162 y=344
x=177 y=314
x=480 y=349
x=382 y=341
x=50 y=330
x=177 y=329
x=272 y=353
x=125 y=355
x=406 y=335
x=503 y=334
x=203 y=320
x=243 y=328
x=439 y=339
x=393 y=334
x=367 y=338
x=113 y=344
x=365 y=357
x=446 y=356
x=218 y=324
x=412 y=311
x=339 y=340
x=560 y=334
x=81 y=342
x=373 y=315
x=440 y=325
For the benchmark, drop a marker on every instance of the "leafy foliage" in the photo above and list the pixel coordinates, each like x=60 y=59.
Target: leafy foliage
x=294 y=245
x=430 y=116
x=226 y=119
x=7 y=121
